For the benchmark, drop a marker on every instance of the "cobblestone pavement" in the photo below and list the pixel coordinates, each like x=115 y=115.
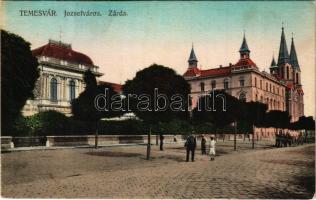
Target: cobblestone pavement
x=123 y=172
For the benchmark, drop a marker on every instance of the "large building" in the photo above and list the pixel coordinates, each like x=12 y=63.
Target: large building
x=280 y=89
x=61 y=77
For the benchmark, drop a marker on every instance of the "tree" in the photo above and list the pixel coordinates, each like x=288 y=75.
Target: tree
x=18 y=77
x=277 y=119
x=84 y=107
x=152 y=92
x=219 y=108
x=255 y=113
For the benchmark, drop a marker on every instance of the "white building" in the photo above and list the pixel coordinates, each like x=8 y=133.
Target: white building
x=61 y=77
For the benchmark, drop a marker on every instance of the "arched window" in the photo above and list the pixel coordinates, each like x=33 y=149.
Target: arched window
x=297 y=78
x=242 y=97
x=287 y=73
x=72 y=90
x=255 y=81
x=53 y=89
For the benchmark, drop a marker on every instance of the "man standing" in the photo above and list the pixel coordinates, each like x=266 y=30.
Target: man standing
x=190 y=145
x=203 y=145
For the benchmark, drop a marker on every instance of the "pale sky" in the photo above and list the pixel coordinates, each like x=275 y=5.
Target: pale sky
x=163 y=32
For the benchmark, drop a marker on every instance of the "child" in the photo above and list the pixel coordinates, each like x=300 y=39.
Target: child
x=212 y=148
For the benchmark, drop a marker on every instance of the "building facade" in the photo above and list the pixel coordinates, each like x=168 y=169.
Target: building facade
x=280 y=89
x=61 y=77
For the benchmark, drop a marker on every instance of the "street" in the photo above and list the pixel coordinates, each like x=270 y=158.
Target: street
x=123 y=172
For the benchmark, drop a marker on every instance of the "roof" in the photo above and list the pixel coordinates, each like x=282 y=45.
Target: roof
x=116 y=87
x=245 y=62
x=293 y=56
x=192 y=56
x=273 y=63
x=244 y=46
x=62 y=51
x=222 y=71
x=194 y=71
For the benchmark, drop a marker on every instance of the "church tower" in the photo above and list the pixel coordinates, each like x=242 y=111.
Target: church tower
x=192 y=59
x=296 y=67
x=285 y=69
x=273 y=67
x=244 y=50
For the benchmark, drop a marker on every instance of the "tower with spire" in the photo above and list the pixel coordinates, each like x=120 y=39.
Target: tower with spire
x=192 y=59
x=273 y=67
x=294 y=62
x=289 y=72
x=244 y=50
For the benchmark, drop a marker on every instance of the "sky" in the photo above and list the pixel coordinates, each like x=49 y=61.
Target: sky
x=163 y=33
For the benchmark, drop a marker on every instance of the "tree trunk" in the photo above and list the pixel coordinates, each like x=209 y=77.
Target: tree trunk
x=156 y=139
x=161 y=143
x=148 y=144
x=235 y=134
x=253 y=137
x=96 y=138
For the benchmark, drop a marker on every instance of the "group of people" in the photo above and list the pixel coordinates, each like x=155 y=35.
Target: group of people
x=190 y=145
x=286 y=140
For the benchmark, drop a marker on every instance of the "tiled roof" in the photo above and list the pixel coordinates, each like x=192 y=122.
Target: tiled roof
x=194 y=71
x=245 y=62
x=62 y=52
x=216 y=72
x=116 y=87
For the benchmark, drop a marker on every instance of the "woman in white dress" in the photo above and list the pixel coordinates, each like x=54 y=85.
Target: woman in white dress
x=212 y=148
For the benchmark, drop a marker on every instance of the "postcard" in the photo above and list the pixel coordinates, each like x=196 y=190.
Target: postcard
x=158 y=99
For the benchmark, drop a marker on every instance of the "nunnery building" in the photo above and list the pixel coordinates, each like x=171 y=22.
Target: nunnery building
x=280 y=89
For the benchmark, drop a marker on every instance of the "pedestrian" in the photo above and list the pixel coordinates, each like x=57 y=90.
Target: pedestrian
x=212 y=148
x=277 y=139
x=190 y=145
x=203 y=145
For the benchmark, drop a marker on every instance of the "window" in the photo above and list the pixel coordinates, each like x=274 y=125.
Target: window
x=255 y=81
x=202 y=86
x=53 y=89
x=256 y=97
x=270 y=88
x=287 y=72
x=213 y=85
x=296 y=77
x=242 y=82
x=273 y=90
x=266 y=86
x=225 y=84
x=278 y=90
x=72 y=90
x=260 y=84
x=261 y=99
x=242 y=97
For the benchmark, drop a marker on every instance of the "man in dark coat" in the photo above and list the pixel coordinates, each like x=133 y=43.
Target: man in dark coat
x=190 y=145
x=203 y=145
